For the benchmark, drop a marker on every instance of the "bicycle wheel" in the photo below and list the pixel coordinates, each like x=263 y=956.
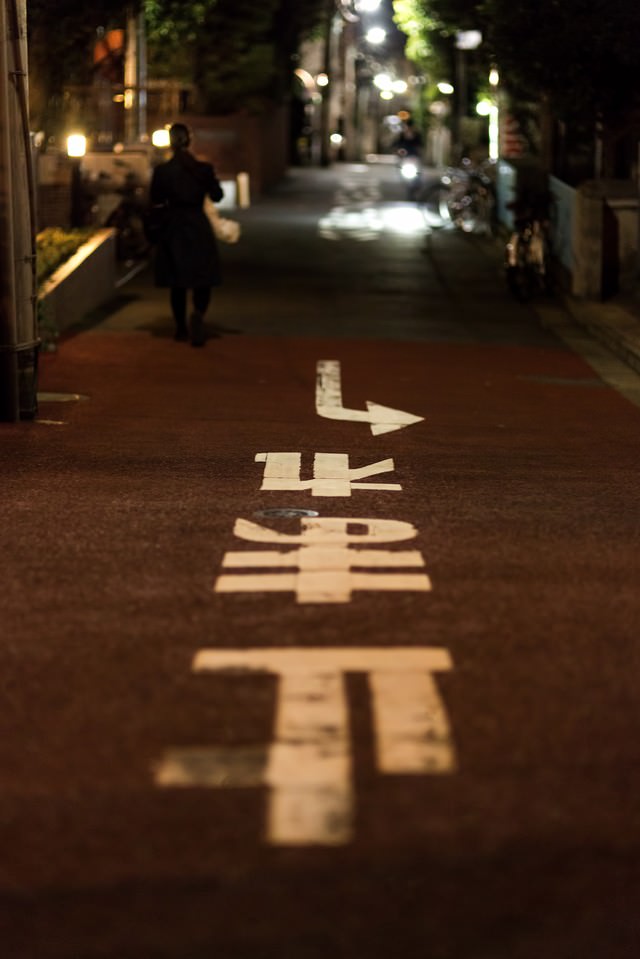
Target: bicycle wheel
x=434 y=200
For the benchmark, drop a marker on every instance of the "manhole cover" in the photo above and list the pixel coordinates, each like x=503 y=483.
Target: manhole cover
x=288 y=512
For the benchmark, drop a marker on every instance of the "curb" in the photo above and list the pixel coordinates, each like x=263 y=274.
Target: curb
x=614 y=326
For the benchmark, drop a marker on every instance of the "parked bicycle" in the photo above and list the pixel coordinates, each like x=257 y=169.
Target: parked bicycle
x=463 y=197
x=128 y=220
x=528 y=251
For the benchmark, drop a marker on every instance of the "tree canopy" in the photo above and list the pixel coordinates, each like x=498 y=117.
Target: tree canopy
x=61 y=37
x=582 y=54
x=237 y=52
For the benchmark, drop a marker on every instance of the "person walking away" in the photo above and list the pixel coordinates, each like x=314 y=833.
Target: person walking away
x=408 y=143
x=186 y=255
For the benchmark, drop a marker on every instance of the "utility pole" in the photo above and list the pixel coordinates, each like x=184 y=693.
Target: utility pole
x=135 y=76
x=18 y=324
x=325 y=106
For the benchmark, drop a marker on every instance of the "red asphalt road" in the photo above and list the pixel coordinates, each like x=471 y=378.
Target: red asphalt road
x=522 y=481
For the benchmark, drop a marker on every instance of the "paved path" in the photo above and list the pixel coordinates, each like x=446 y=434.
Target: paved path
x=281 y=680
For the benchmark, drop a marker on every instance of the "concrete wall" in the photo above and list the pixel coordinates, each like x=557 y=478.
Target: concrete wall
x=244 y=143
x=605 y=238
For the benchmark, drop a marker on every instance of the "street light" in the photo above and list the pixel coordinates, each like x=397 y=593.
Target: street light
x=376 y=36
x=76 y=149
x=161 y=139
x=487 y=108
x=76 y=145
x=383 y=81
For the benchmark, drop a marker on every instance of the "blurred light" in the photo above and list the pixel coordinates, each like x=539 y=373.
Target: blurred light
x=161 y=138
x=494 y=77
x=438 y=108
x=376 y=35
x=483 y=108
x=404 y=219
x=369 y=222
x=367 y=6
x=322 y=79
x=305 y=78
x=468 y=39
x=382 y=81
x=386 y=95
x=494 y=134
x=399 y=86
x=128 y=99
x=76 y=145
x=409 y=170
x=336 y=139
x=445 y=87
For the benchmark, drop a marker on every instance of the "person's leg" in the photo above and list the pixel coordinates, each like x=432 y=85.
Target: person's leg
x=178 y=297
x=201 y=297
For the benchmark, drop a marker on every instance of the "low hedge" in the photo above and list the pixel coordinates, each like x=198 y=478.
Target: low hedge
x=55 y=245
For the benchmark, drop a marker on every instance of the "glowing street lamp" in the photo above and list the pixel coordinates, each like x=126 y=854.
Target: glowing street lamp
x=161 y=139
x=376 y=36
x=487 y=108
x=76 y=149
x=383 y=81
x=445 y=87
x=76 y=145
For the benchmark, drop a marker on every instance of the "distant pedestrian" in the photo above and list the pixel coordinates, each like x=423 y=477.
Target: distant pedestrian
x=186 y=256
x=408 y=143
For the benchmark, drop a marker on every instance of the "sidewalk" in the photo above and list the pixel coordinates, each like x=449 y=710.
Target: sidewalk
x=615 y=323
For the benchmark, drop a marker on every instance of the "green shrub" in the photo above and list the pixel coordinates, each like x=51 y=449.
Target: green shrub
x=55 y=245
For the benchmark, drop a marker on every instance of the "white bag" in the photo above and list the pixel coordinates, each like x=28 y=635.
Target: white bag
x=227 y=231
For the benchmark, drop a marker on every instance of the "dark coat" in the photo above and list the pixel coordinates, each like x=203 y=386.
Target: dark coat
x=187 y=253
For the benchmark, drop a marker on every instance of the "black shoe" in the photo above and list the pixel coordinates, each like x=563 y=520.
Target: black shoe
x=197 y=329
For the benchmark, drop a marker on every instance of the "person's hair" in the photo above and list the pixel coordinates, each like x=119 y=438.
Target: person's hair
x=179 y=136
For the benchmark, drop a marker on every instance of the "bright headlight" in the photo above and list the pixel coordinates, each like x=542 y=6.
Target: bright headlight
x=409 y=170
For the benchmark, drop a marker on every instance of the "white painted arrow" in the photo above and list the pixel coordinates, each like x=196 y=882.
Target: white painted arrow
x=382 y=419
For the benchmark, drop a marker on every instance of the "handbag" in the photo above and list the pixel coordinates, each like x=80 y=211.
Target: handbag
x=227 y=231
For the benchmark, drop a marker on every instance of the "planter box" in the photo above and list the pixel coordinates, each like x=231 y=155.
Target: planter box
x=82 y=284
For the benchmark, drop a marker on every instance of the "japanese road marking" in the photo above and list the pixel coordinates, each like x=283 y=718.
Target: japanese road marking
x=324 y=562
x=332 y=475
x=382 y=419
x=308 y=766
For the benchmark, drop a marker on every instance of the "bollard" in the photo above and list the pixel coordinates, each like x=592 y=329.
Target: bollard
x=243 y=190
